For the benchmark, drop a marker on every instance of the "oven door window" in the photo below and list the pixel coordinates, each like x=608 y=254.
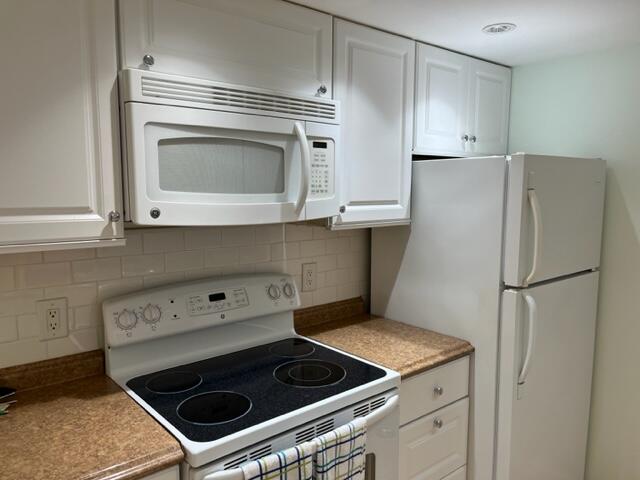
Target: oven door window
x=216 y=165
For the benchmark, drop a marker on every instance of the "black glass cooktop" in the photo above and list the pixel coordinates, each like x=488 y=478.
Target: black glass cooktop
x=213 y=398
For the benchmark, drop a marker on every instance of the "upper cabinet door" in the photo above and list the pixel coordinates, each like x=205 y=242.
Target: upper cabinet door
x=374 y=78
x=59 y=143
x=441 y=102
x=261 y=43
x=489 y=91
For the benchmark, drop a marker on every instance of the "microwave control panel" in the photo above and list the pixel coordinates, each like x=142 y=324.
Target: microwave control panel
x=322 y=168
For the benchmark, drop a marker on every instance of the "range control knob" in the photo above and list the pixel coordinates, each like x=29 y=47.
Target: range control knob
x=289 y=290
x=127 y=319
x=151 y=314
x=273 y=291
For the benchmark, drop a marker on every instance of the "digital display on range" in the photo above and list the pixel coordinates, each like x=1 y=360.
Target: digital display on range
x=216 y=297
x=319 y=144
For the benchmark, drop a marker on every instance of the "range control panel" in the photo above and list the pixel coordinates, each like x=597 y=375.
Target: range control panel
x=187 y=306
x=322 y=168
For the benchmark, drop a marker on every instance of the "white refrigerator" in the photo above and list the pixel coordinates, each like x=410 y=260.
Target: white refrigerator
x=504 y=252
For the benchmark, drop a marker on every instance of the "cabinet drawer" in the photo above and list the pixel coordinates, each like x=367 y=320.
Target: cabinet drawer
x=460 y=474
x=434 y=389
x=435 y=445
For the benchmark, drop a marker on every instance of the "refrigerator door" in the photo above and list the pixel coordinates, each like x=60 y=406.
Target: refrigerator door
x=546 y=361
x=443 y=273
x=554 y=217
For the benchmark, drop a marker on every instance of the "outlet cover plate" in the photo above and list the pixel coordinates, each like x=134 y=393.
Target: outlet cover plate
x=309 y=276
x=44 y=307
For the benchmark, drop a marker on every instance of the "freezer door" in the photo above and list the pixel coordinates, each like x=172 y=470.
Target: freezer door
x=546 y=361
x=558 y=201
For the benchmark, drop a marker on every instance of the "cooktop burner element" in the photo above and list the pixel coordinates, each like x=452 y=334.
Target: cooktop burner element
x=292 y=348
x=309 y=373
x=251 y=386
x=173 y=382
x=212 y=408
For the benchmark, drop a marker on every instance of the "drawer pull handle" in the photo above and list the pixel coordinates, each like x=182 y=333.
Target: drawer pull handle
x=437 y=423
x=438 y=391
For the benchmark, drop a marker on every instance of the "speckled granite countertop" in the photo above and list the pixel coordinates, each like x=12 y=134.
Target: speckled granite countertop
x=404 y=348
x=85 y=429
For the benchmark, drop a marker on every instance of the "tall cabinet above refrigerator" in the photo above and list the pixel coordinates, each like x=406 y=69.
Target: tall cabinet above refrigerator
x=504 y=252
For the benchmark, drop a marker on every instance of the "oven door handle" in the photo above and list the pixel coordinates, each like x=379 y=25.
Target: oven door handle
x=373 y=418
x=305 y=166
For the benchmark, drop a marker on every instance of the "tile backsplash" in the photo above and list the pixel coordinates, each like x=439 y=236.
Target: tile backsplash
x=158 y=256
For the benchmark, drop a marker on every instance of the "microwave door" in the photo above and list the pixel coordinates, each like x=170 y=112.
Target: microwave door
x=198 y=167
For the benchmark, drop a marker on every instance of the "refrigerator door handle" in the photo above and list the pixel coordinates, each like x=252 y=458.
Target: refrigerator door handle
x=531 y=339
x=537 y=234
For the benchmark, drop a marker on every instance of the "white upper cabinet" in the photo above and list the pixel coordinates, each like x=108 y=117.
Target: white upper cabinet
x=262 y=43
x=488 y=124
x=373 y=80
x=59 y=143
x=462 y=105
x=441 y=101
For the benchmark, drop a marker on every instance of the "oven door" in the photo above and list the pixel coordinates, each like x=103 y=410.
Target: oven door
x=190 y=166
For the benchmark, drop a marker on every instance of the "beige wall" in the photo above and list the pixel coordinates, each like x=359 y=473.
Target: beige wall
x=158 y=256
x=589 y=105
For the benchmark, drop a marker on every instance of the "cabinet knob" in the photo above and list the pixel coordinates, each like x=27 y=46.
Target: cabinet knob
x=437 y=423
x=438 y=391
x=472 y=139
x=148 y=60
x=114 y=216
x=322 y=89
x=465 y=138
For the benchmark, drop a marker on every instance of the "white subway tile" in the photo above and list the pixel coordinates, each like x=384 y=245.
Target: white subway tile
x=237 y=269
x=218 y=257
x=295 y=233
x=98 y=269
x=20 y=258
x=22 y=351
x=43 y=274
x=306 y=299
x=78 y=341
x=350 y=290
x=20 y=301
x=238 y=235
x=202 y=237
x=293 y=267
x=359 y=243
x=115 y=288
x=270 y=233
x=68 y=255
x=313 y=248
x=324 y=295
x=254 y=254
x=347 y=260
x=162 y=279
x=338 y=245
x=137 y=265
x=28 y=326
x=7 y=279
x=86 y=316
x=270 y=267
x=326 y=262
x=181 y=261
x=205 y=273
x=133 y=246
x=338 y=277
x=77 y=294
x=321 y=279
x=322 y=233
x=8 y=329
x=169 y=240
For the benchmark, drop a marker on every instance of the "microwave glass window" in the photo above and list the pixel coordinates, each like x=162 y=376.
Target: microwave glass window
x=220 y=165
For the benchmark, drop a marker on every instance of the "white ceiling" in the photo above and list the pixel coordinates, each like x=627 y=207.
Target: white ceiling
x=546 y=28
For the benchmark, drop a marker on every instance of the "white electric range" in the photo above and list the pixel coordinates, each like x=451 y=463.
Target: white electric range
x=218 y=363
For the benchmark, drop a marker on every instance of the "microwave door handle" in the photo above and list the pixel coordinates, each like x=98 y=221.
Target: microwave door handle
x=305 y=166
x=537 y=235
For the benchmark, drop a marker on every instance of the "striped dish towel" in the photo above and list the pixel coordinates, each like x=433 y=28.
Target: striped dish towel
x=340 y=453
x=291 y=464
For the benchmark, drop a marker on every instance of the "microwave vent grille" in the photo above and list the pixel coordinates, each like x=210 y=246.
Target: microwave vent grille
x=220 y=96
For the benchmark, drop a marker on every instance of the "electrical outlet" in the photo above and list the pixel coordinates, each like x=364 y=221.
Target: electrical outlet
x=309 y=276
x=52 y=314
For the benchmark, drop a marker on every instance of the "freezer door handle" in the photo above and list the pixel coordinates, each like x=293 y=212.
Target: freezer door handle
x=531 y=337
x=537 y=234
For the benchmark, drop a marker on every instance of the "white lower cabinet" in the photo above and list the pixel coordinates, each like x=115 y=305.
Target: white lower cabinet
x=59 y=142
x=171 y=473
x=434 y=418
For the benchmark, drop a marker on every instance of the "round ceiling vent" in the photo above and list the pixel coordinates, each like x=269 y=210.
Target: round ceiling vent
x=496 y=28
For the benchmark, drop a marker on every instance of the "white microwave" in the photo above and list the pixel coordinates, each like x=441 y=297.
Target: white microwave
x=198 y=152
